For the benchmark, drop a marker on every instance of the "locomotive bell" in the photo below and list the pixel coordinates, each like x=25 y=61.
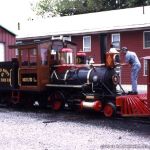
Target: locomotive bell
x=81 y=57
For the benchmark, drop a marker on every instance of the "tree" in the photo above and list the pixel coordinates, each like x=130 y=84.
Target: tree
x=136 y=3
x=44 y=7
x=72 y=7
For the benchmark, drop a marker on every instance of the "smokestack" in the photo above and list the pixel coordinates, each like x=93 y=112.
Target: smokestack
x=18 y=25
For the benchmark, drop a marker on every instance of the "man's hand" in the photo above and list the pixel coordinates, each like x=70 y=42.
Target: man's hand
x=124 y=64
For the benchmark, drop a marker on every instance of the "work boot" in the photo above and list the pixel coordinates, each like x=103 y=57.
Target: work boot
x=132 y=93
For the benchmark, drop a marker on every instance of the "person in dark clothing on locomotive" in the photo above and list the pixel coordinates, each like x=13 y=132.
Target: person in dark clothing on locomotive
x=132 y=59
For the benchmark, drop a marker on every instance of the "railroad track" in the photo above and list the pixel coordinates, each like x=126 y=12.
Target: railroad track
x=86 y=115
x=141 y=120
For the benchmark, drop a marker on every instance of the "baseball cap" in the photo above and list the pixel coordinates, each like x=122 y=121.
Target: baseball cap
x=124 y=48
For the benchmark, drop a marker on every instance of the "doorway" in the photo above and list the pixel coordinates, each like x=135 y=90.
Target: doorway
x=2 y=50
x=103 y=46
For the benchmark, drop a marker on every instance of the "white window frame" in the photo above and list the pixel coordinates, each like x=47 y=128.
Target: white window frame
x=144 y=44
x=67 y=38
x=61 y=37
x=145 y=71
x=2 y=52
x=16 y=52
x=116 y=44
x=85 y=47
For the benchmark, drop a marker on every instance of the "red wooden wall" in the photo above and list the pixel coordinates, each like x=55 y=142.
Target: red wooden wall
x=131 y=39
x=95 y=46
x=7 y=38
x=134 y=41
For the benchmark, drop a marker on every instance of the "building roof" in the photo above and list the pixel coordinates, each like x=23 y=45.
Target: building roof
x=99 y=22
x=7 y=30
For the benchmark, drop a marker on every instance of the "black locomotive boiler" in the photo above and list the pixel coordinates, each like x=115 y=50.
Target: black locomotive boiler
x=53 y=74
x=84 y=85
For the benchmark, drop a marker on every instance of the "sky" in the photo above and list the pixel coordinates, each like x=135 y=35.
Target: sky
x=14 y=11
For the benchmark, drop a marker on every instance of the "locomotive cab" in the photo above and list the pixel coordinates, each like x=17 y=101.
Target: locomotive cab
x=33 y=66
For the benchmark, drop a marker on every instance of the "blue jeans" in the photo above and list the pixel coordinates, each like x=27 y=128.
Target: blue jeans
x=134 y=76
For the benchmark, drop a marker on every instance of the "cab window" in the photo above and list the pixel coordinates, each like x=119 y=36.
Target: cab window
x=32 y=57
x=44 y=56
x=24 y=57
x=28 y=57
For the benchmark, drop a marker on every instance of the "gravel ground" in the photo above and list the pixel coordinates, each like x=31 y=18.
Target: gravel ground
x=46 y=130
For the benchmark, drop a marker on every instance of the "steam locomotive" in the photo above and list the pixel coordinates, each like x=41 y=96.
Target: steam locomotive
x=53 y=74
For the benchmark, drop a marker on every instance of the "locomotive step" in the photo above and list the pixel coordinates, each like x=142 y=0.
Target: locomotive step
x=15 y=96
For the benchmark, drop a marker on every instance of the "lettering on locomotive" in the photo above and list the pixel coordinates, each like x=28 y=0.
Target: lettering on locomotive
x=29 y=79
x=4 y=75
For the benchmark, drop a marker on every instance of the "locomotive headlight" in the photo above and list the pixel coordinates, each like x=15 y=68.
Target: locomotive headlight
x=115 y=79
x=95 y=78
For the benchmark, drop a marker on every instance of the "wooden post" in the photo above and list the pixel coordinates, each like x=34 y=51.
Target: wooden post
x=148 y=81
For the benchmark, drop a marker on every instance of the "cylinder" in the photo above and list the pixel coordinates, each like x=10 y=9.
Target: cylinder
x=96 y=105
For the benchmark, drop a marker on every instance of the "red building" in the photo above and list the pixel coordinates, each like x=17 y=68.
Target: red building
x=95 y=32
x=7 y=38
x=135 y=41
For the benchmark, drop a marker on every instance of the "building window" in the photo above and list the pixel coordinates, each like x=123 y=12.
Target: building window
x=115 y=39
x=145 y=68
x=87 y=43
x=146 y=39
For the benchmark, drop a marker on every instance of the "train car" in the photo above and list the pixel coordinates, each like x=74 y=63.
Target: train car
x=53 y=74
x=23 y=80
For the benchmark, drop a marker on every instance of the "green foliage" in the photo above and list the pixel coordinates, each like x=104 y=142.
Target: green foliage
x=136 y=3
x=72 y=7
x=44 y=6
